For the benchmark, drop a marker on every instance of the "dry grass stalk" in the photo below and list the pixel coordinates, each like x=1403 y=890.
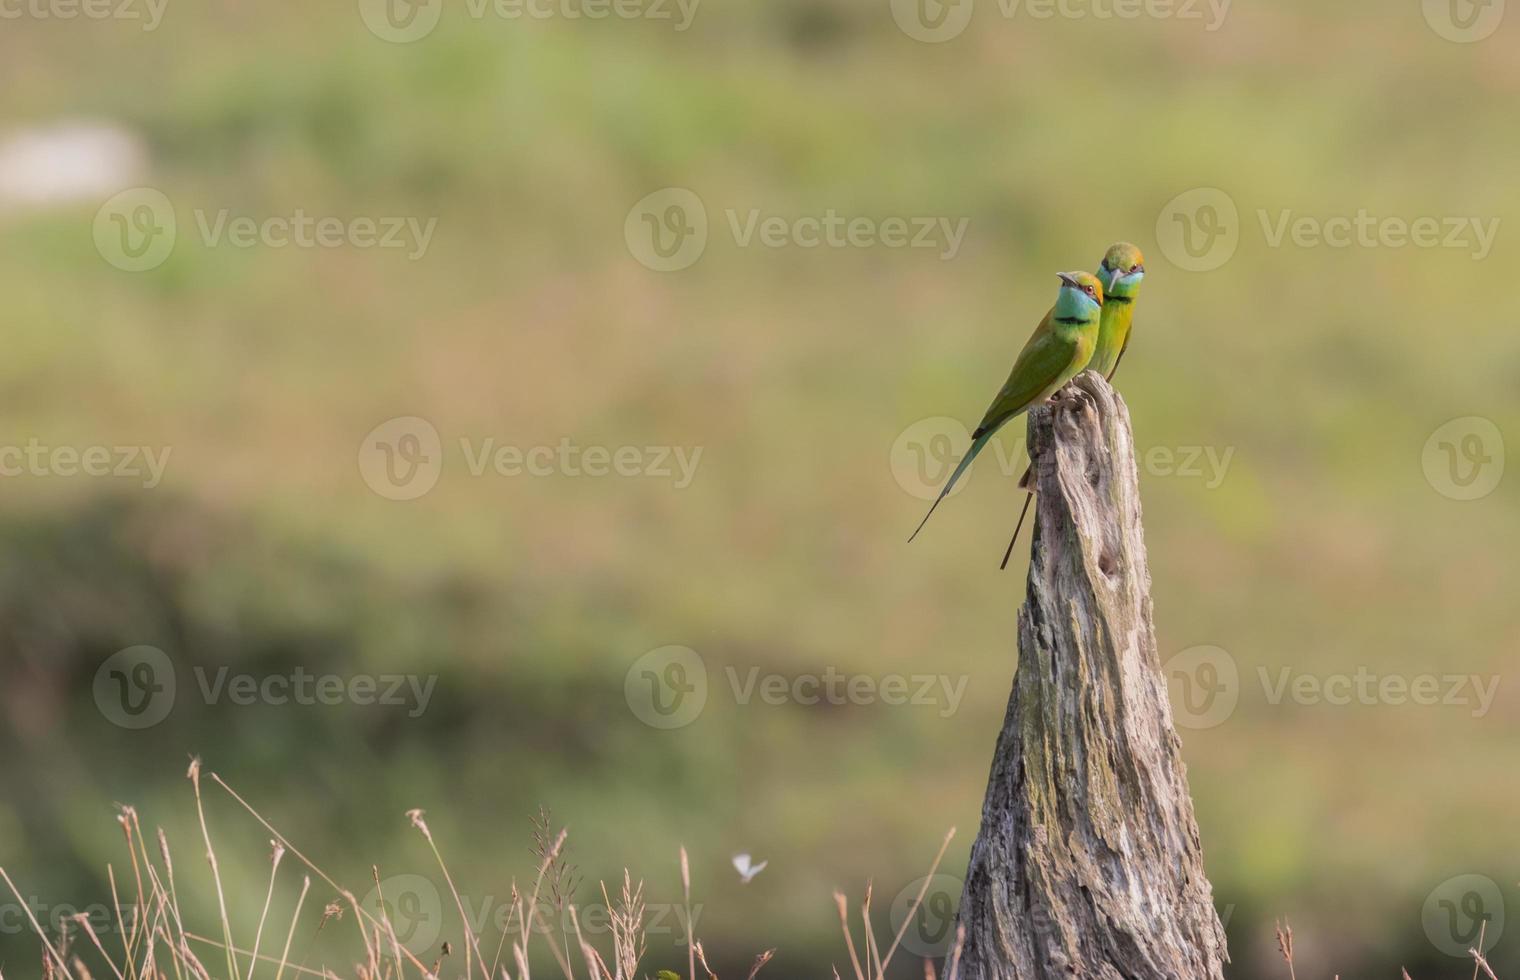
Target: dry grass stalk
x=702 y=958
x=374 y=871
x=626 y=920
x=153 y=929
x=873 y=955
x=84 y=923
x=1285 y=946
x=53 y=958
x=471 y=944
x=691 y=953
x=124 y=818
x=310 y=864
x=760 y=961
x=1478 y=954
x=953 y=965
x=596 y=968
x=875 y=963
x=529 y=917
x=216 y=874
x=277 y=852
x=1479 y=963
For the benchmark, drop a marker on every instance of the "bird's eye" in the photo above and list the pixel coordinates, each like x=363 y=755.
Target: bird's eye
x=1088 y=289
x=1133 y=268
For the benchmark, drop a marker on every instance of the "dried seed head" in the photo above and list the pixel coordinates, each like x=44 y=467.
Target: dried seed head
x=1285 y=940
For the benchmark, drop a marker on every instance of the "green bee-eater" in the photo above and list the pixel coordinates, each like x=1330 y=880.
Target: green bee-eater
x=1060 y=347
x=1122 y=271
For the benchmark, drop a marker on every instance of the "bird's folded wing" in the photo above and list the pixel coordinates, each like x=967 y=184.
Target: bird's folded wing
x=1039 y=368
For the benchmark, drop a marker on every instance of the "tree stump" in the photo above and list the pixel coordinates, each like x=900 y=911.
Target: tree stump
x=1088 y=862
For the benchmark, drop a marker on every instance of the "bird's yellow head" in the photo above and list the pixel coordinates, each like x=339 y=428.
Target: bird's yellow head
x=1080 y=301
x=1122 y=270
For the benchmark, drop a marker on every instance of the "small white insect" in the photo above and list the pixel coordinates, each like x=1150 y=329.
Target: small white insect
x=747 y=871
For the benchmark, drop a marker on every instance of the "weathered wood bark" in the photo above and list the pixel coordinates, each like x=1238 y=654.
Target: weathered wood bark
x=1088 y=862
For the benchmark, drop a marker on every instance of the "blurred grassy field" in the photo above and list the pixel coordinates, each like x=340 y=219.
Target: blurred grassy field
x=1324 y=549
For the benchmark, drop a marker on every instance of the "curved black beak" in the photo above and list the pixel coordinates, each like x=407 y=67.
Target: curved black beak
x=1069 y=280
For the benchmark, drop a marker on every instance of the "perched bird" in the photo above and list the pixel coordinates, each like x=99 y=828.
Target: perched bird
x=1060 y=347
x=1122 y=271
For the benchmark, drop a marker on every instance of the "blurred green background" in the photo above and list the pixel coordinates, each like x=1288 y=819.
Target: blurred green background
x=1330 y=544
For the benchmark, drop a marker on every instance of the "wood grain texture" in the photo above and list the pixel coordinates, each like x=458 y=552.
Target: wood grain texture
x=1088 y=862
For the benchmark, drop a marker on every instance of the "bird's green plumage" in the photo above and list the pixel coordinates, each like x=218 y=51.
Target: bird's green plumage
x=1060 y=347
x=1052 y=357
x=1122 y=271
